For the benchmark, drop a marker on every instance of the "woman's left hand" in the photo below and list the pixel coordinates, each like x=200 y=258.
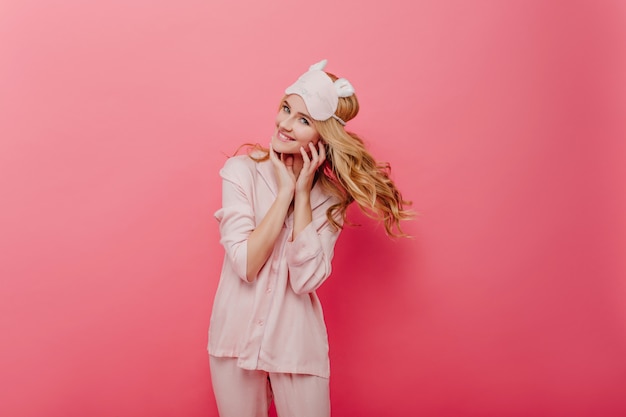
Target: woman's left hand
x=304 y=183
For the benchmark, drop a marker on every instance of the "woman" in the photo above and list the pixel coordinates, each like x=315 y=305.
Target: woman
x=282 y=211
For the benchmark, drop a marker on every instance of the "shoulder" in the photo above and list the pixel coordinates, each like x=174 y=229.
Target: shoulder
x=242 y=169
x=238 y=162
x=237 y=167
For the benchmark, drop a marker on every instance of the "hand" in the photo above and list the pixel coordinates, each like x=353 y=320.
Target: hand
x=285 y=176
x=310 y=165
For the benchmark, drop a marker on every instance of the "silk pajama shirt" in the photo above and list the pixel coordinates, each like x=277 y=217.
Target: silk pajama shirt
x=274 y=323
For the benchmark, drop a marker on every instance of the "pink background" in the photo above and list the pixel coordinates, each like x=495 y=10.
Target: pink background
x=503 y=121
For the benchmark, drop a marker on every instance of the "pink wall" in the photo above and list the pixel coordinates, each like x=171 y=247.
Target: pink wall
x=503 y=122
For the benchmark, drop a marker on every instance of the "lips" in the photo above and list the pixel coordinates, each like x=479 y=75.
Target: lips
x=283 y=138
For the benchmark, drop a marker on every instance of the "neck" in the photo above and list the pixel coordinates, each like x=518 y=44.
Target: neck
x=297 y=164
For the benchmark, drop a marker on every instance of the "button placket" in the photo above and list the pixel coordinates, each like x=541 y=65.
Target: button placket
x=266 y=295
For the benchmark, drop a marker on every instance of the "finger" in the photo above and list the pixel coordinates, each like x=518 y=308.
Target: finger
x=316 y=161
x=272 y=153
x=305 y=157
x=314 y=154
x=322 y=152
x=304 y=154
x=276 y=159
x=286 y=159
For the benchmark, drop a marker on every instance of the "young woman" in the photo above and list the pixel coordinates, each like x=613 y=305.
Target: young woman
x=282 y=211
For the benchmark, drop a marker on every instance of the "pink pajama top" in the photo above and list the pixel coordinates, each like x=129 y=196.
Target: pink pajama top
x=274 y=323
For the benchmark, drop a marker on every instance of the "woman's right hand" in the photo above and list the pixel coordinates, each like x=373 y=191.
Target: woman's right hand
x=285 y=176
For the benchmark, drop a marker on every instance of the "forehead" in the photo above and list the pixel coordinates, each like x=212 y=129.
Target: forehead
x=297 y=104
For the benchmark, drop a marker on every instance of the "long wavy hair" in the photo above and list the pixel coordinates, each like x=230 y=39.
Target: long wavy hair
x=352 y=174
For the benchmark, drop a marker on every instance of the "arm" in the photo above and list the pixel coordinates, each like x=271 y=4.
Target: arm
x=262 y=239
x=310 y=254
x=302 y=214
x=248 y=245
x=311 y=249
x=236 y=216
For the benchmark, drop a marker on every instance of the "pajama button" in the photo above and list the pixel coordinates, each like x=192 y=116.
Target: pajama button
x=269 y=290
x=260 y=322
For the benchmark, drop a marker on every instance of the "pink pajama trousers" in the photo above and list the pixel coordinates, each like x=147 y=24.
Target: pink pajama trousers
x=244 y=393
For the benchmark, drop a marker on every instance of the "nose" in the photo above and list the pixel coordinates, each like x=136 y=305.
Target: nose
x=286 y=123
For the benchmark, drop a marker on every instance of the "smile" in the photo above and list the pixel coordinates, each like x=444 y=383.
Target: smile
x=283 y=138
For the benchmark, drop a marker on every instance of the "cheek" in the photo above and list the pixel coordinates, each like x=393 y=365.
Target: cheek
x=311 y=135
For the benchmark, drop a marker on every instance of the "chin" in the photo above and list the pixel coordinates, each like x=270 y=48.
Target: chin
x=283 y=147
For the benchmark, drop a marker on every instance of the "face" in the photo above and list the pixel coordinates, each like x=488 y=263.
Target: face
x=294 y=127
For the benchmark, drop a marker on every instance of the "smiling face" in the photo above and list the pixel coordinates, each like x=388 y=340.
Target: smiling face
x=294 y=127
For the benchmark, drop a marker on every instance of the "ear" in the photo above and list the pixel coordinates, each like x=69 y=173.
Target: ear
x=319 y=66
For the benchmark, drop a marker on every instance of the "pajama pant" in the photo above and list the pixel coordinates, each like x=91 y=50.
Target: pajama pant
x=244 y=393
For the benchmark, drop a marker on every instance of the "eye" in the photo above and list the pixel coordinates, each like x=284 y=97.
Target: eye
x=286 y=109
x=305 y=121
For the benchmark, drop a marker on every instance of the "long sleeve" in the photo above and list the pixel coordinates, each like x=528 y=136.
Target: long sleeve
x=236 y=218
x=310 y=254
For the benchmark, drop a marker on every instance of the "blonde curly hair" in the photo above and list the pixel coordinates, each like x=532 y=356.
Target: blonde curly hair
x=352 y=174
